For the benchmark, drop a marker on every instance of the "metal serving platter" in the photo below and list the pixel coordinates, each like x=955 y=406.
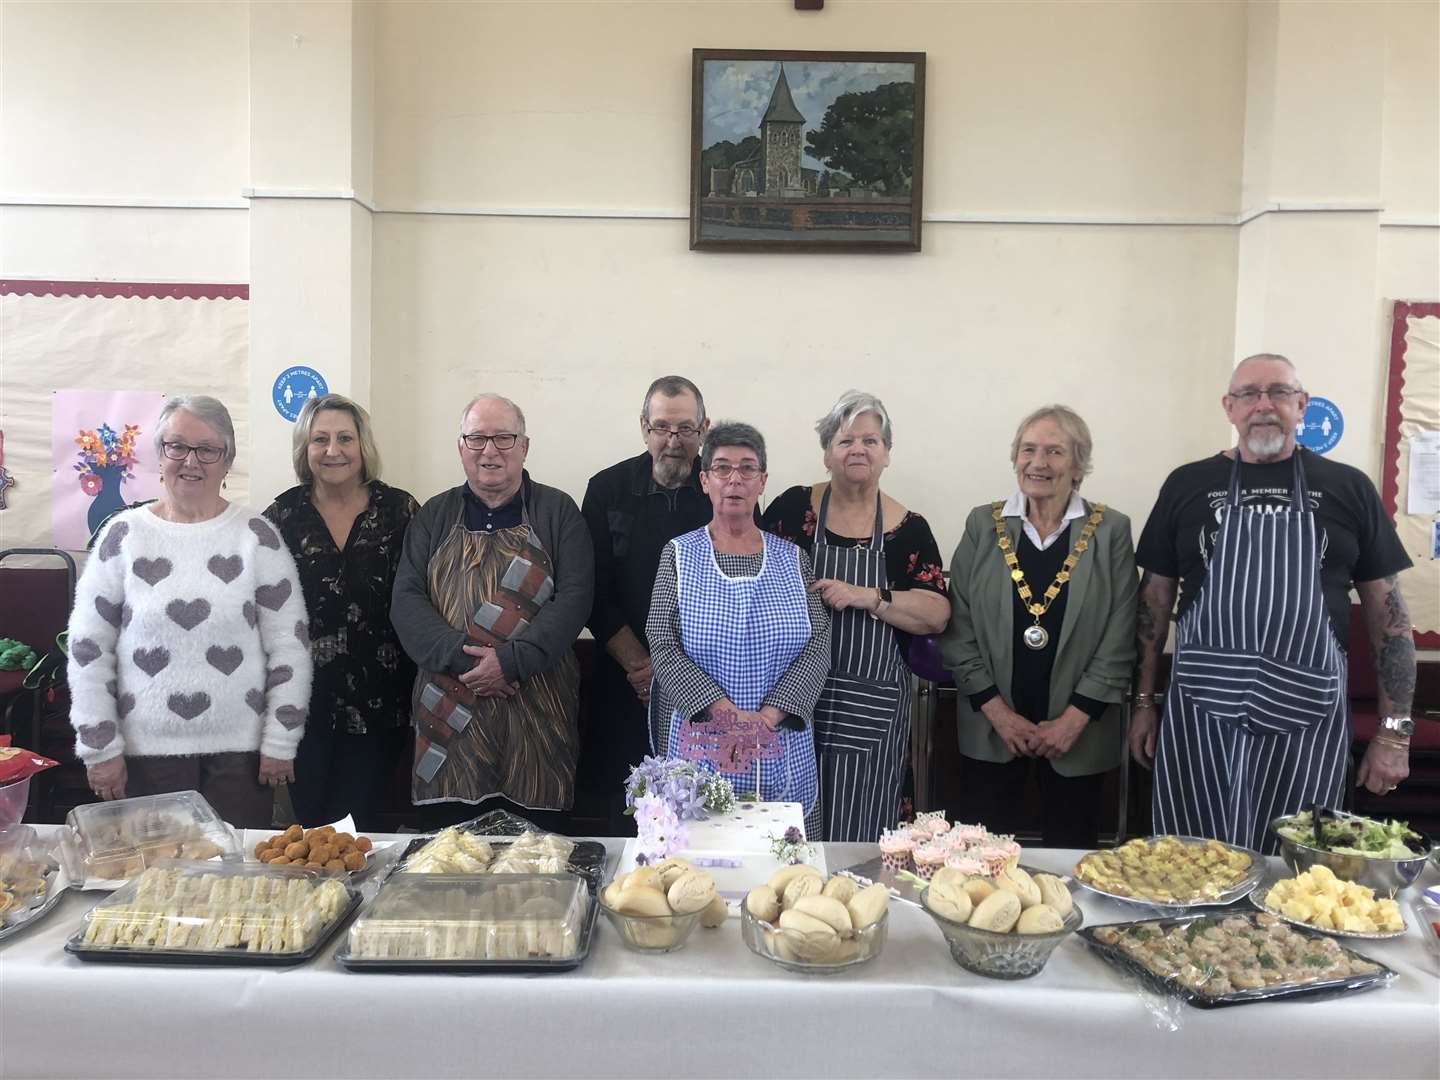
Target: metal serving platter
x=1238 y=891
x=1257 y=897
x=1113 y=955
x=16 y=921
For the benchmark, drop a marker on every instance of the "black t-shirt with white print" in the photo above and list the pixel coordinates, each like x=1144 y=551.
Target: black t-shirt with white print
x=1357 y=540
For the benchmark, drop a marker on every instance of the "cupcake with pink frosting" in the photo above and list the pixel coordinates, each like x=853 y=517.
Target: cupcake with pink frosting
x=969 y=834
x=991 y=857
x=929 y=858
x=966 y=863
x=896 y=848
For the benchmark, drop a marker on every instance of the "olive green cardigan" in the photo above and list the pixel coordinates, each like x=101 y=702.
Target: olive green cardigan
x=1095 y=653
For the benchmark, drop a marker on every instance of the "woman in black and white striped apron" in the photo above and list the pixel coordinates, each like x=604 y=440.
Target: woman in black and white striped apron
x=862 y=720
x=1255 y=721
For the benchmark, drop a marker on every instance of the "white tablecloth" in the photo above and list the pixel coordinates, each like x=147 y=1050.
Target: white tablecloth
x=712 y=1009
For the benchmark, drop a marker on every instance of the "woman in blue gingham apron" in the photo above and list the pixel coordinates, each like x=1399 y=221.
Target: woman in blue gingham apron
x=1255 y=723
x=739 y=645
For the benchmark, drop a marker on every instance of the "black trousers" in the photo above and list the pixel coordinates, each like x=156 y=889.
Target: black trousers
x=434 y=816
x=337 y=774
x=616 y=738
x=993 y=793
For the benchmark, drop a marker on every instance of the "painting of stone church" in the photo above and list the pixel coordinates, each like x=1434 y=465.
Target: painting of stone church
x=807 y=152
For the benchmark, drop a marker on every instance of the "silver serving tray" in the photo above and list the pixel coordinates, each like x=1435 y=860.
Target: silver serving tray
x=1238 y=891
x=55 y=888
x=1257 y=897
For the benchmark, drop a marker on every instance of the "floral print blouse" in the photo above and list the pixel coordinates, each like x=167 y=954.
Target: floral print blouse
x=362 y=677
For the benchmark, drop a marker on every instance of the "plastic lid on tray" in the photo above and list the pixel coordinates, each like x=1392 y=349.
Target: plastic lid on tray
x=218 y=907
x=115 y=841
x=509 y=918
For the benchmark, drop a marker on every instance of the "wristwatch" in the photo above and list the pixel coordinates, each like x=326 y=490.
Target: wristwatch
x=1397 y=725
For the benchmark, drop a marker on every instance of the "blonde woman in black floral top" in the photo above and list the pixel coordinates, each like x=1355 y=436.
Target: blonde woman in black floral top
x=877 y=568
x=345 y=529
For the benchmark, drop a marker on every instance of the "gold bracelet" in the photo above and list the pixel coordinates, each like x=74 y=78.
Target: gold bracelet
x=1140 y=700
x=1392 y=742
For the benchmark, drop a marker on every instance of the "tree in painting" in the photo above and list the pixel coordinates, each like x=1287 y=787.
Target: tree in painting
x=870 y=136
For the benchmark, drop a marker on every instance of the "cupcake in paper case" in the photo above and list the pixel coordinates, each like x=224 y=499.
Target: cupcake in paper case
x=929 y=858
x=967 y=864
x=967 y=835
x=933 y=822
x=992 y=858
x=896 y=848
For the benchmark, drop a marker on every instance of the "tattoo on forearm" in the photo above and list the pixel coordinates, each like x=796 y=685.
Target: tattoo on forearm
x=1397 y=615
x=1152 y=621
x=1396 y=671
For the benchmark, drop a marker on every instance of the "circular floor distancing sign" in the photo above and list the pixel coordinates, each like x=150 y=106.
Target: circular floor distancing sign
x=1321 y=426
x=293 y=387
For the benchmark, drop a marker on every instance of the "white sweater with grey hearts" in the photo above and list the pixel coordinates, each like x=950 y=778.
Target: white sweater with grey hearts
x=189 y=639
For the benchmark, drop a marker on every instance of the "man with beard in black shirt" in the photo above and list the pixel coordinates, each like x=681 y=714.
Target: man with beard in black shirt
x=634 y=508
x=1265 y=543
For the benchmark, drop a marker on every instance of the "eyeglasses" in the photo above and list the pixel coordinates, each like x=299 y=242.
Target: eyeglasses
x=665 y=431
x=506 y=440
x=724 y=470
x=1278 y=395
x=179 y=451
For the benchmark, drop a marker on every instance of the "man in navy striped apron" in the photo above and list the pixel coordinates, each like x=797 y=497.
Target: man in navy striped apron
x=1266 y=541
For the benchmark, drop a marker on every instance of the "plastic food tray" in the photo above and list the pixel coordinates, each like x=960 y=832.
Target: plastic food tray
x=27 y=916
x=106 y=844
x=183 y=905
x=422 y=903
x=1238 y=891
x=587 y=860
x=1282 y=992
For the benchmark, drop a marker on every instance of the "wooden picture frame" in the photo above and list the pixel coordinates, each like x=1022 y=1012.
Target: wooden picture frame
x=795 y=150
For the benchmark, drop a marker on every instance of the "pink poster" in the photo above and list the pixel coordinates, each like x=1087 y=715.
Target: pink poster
x=103 y=450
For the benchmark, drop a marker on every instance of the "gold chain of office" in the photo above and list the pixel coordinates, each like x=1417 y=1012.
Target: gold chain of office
x=1037 y=637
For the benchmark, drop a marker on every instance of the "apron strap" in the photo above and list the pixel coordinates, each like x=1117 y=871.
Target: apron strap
x=1299 y=492
x=877 y=537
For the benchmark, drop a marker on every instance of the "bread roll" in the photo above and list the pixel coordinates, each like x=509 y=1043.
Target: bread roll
x=762 y=903
x=809 y=938
x=641 y=900
x=715 y=913
x=647 y=876
x=998 y=912
x=867 y=907
x=829 y=911
x=1040 y=919
x=1014 y=880
x=611 y=894
x=801 y=885
x=948 y=875
x=948 y=899
x=670 y=869
x=786 y=874
x=840 y=888
x=978 y=888
x=1055 y=894
x=692 y=891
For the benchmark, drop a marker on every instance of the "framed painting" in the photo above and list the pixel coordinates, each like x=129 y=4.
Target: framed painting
x=806 y=151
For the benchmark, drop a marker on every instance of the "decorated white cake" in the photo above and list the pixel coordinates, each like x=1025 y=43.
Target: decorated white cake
x=736 y=847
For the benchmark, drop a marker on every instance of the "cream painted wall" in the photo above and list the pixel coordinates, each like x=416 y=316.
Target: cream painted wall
x=1410 y=157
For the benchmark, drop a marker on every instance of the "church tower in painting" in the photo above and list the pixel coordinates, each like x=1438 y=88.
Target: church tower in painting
x=780 y=130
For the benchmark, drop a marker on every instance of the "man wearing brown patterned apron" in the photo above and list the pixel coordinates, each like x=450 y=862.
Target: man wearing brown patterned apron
x=494 y=586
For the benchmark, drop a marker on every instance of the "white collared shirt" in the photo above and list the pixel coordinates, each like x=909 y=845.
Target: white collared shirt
x=1015 y=507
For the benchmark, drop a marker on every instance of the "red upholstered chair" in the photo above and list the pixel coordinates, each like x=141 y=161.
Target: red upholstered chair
x=35 y=604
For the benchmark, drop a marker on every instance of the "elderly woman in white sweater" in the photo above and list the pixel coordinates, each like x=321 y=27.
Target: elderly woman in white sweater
x=189 y=650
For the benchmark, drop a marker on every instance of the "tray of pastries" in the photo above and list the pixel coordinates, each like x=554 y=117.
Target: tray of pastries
x=1318 y=899
x=473 y=922
x=1172 y=872
x=205 y=913
x=31 y=881
x=106 y=844
x=1235 y=959
x=457 y=850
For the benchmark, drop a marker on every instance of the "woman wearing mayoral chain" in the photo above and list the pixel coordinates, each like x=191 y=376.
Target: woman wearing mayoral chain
x=1042 y=602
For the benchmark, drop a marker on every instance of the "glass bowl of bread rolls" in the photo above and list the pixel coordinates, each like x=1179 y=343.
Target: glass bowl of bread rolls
x=804 y=923
x=1003 y=927
x=656 y=908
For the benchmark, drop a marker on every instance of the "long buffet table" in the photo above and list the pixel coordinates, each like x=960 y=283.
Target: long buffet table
x=712 y=1009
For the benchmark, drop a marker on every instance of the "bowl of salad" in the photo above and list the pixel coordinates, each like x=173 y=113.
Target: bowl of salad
x=1386 y=855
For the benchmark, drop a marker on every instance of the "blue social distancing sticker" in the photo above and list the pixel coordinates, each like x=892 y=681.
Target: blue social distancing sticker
x=293 y=387
x=1321 y=426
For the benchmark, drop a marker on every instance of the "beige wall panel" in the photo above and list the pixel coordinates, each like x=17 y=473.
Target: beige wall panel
x=69 y=243
x=1411 y=154
x=141 y=100
x=574 y=319
x=1040 y=108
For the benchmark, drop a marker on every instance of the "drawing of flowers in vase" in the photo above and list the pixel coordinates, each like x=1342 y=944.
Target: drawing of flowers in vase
x=106 y=460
